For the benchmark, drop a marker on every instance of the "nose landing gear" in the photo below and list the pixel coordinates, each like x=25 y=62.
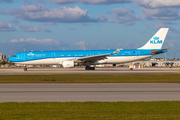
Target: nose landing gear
x=25 y=68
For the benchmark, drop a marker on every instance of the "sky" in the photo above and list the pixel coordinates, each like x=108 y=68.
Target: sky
x=86 y=24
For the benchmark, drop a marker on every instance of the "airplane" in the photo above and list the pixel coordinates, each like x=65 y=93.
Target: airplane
x=89 y=58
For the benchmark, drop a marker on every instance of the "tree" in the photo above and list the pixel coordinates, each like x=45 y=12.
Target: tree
x=3 y=62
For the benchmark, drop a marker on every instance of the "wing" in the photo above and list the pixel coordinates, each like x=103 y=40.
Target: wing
x=94 y=58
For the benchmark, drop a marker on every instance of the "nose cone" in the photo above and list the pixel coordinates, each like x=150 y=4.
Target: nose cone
x=11 y=59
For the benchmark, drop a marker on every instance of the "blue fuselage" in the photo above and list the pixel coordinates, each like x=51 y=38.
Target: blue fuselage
x=72 y=54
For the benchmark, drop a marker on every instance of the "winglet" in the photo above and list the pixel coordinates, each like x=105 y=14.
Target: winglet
x=117 y=51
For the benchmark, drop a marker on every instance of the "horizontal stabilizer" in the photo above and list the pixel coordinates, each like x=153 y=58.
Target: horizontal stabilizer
x=154 y=52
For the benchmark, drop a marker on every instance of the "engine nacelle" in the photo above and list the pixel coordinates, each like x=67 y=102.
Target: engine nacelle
x=68 y=64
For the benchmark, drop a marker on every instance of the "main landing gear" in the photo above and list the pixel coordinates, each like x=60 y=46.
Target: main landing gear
x=89 y=68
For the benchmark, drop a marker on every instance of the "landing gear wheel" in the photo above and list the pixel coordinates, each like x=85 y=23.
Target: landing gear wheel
x=25 y=69
x=92 y=68
x=89 y=68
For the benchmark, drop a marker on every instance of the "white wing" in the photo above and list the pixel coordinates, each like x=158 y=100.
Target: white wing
x=94 y=58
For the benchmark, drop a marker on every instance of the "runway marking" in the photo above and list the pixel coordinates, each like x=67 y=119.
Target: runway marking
x=41 y=73
x=47 y=71
x=81 y=91
x=55 y=73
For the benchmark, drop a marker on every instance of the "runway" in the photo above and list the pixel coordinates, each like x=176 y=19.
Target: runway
x=58 y=71
x=107 y=92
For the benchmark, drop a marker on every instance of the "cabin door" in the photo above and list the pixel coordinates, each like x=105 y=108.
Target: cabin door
x=23 y=56
x=137 y=53
x=53 y=55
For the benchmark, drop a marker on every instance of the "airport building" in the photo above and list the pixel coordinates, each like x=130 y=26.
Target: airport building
x=155 y=63
x=2 y=57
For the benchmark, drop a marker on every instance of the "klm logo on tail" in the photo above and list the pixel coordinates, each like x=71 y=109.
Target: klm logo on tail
x=156 y=41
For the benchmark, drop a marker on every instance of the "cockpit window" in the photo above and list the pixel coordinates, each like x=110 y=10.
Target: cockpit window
x=14 y=56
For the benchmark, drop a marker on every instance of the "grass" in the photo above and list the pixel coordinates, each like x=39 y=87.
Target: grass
x=156 y=78
x=91 y=111
x=163 y=110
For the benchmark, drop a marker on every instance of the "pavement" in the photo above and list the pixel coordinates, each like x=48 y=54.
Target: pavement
x=107 y=92
x=57 y=71
x=81 y=92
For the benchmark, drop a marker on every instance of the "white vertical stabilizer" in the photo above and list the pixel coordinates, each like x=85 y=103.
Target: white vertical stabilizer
x=157 y=40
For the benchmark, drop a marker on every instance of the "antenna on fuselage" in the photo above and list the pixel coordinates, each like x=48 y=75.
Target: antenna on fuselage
x=24 y=49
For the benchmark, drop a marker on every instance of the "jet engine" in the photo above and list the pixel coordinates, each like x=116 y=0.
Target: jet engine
x=68 y=64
